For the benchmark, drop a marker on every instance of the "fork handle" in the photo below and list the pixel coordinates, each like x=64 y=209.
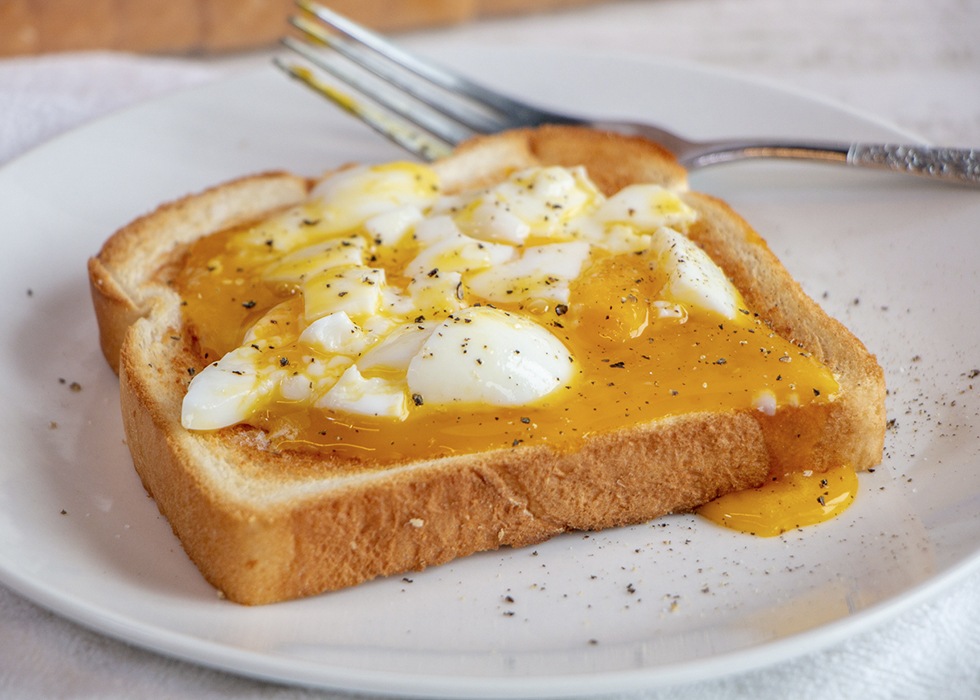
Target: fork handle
x=960 y=165
x=957 y=164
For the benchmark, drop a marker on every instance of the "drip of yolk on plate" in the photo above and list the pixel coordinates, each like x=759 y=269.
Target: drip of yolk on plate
x=786 y=502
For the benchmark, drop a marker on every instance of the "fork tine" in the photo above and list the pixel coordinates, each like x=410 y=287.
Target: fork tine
x=426 y=146
x=451 y=82
x=434 y=94
x=444 y=130
x=447 y=107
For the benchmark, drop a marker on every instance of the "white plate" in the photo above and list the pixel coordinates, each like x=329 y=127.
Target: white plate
x=637 y=607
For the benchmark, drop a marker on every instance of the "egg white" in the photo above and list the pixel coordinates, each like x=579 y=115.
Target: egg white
x=376 y=348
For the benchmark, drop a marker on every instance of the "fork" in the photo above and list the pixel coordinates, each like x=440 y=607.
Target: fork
x=427 y=110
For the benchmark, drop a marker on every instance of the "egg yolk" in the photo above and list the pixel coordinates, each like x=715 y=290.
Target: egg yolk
x=786 y=502
x=633 y=366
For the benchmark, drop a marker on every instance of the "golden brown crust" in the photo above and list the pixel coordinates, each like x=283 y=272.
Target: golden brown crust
x=261 y=538
x=612 y=160
x=856 y=419
x=120 y=273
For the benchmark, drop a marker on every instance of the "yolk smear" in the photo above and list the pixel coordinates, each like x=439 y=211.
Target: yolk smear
x=787 y=502
x=633 y=366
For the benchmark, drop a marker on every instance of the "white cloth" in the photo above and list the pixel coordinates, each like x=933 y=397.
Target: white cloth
x=42 y=97
x=929 y=651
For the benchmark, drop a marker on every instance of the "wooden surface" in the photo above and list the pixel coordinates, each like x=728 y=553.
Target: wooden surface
x=215 y=26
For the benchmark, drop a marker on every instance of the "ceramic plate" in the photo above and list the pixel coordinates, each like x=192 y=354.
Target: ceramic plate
x=637 y=607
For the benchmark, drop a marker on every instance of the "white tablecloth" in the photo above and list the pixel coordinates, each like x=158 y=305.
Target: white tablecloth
x=913 y=63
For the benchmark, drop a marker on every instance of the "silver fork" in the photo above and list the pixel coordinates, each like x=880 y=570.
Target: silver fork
x=428 y=110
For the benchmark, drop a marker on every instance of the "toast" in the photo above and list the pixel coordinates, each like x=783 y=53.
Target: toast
x=266 y=524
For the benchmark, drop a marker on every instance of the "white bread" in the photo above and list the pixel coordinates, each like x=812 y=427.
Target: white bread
x=265 y=527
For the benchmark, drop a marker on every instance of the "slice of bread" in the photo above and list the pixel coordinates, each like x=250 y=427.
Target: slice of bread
x=265 y=526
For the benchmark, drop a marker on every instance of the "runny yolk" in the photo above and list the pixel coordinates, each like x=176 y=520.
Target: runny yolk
x=786 y=502
x=633 y=367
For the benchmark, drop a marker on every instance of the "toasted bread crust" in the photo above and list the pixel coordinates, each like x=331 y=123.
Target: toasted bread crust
x=856 y=419
x=265 y=526
x=129 y=259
